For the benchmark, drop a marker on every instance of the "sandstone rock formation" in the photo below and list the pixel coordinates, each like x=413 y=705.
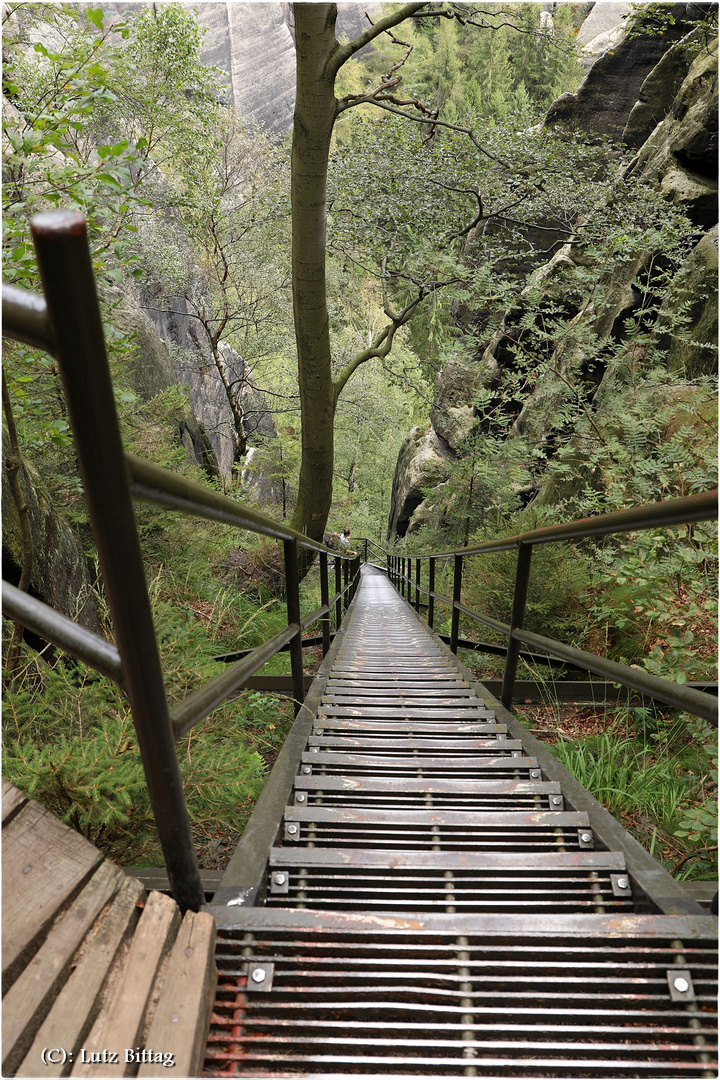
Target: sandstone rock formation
x=602 y=28
x=170 y=349
x=673 y=107
x=605 y=99
x=681 y=154
x=422 y=463
x=661 y=87
x=254 y=44
x=693 y=352
x=61 y=574
x=152 y=368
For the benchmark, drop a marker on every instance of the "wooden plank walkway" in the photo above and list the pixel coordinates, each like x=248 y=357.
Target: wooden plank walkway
x=438 y=899
x=99 y=978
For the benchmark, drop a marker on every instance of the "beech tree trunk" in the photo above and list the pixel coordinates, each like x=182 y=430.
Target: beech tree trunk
x=315 y=112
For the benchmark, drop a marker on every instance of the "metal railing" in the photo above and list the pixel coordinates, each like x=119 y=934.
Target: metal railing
x=405 y=573
x=67 y=323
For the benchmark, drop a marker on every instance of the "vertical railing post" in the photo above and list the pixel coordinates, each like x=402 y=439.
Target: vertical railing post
x=522 y=579
x=69 y=285
x=338 y=587
x=402 y=574
x=417 y=584
x=457 y=589
x=431 y=590
x=292 y=600
x=325 y=601
x=346 y=578
x=366 y=543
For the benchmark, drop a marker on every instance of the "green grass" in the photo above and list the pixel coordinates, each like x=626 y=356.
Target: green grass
x=68 y=736
x=658 y=785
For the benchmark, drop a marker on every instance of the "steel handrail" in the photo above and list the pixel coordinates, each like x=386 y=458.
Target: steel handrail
x=668 y=513
x=682 y=511
x=51 y=626
x=156 y=484
x=66 y=322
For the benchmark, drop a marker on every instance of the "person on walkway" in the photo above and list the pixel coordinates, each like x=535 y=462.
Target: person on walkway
x=345 y=542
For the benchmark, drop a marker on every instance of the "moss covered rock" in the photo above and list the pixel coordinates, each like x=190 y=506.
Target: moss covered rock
x=422 y=463
x=691 y=341
x=682 y=152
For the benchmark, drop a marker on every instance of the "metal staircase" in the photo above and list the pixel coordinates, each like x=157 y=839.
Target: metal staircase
x=430 y=906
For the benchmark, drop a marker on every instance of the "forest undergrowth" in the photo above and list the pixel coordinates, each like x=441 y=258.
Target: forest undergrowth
x=68 y=736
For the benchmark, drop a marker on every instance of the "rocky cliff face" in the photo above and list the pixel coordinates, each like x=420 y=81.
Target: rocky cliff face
x=254 y=44
x=169 y=349
x=617 y=81
x=422 y=463
x=671 y=111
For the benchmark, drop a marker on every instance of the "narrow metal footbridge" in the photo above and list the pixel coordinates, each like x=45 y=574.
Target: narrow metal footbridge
x=432 y=902
x=421 y=891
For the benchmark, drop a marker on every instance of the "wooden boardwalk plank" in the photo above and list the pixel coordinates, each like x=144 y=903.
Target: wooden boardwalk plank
x=44 y=864
x=29 y=998
x=120 y=1021
x=73 y=1014
x=12 y=800
x=182 y=1017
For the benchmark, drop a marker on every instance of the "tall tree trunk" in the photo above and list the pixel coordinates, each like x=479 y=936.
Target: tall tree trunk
x=315 y=112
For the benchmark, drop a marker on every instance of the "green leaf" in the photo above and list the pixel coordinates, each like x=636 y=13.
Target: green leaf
x=95 y=15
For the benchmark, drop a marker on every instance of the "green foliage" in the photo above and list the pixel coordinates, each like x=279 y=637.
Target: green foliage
x=698 y=826
x=657 y=19
x=52 y=156
x=623 y=778
x=658 y=780
x=654 y=601
x=90 y=121
x=69 y=740
x=505 y=61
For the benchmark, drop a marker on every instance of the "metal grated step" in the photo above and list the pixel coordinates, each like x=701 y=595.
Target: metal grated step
x=439 y=830
x=415 y=793
x=461 y=995
x=596 y=882
x=509 y=767
x=402 y=748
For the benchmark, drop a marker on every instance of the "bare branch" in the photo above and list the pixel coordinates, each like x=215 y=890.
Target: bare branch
x=344 y=52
